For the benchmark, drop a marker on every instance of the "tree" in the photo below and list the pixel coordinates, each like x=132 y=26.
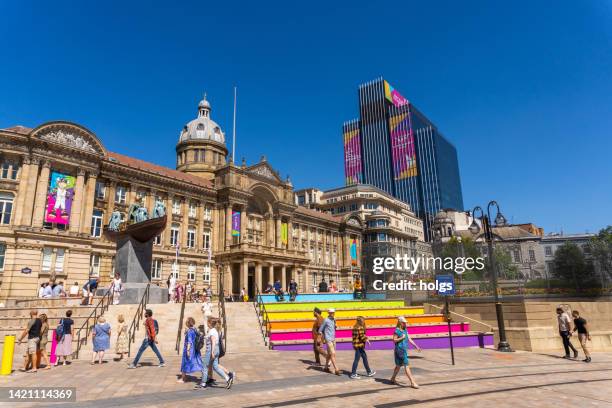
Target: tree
x=505 y=267
x=571 y=265
x=466 y=248
x=601 y=250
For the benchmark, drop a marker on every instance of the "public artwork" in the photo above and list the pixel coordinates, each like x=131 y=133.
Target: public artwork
x=354 y=252
x=352 y=154
x=236 y=223
x=59 y=199
x=284 y=233
x=403 y=154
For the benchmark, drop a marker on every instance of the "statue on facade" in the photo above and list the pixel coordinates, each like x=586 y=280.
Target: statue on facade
x=159 y=210
x=137 y=213
x=115 y=221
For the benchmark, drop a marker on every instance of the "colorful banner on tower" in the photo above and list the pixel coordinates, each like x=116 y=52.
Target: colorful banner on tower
x=352 y=154
x=59 y=199
x=393 y=96
x=235 y=223
x=403 y=152
x=284 y=234
x=353 y=252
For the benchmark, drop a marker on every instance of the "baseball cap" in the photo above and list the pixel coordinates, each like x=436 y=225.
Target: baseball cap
x=331 y=310
x=402 y=319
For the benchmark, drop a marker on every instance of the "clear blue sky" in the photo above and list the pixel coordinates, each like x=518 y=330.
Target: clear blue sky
x=523 y=89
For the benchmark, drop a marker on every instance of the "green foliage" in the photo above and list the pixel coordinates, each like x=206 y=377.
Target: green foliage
x=505 y=268
x=570 y=265
x=601 y=250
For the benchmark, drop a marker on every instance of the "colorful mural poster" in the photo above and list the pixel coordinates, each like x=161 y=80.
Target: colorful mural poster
x=403 y=153
x=393 y=96
x=354 y=252
x=235 y=223
x=352 y=155
x=284 y=234
x=59 y=199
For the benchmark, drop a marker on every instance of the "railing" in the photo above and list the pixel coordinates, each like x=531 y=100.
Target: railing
x=222 y=315
x=137 y=317
x=98 y=311
x=459 y=317
x=177 y=347
x=262 y=315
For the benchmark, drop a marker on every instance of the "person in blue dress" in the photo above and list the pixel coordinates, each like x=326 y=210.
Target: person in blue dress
x=192 y=358
x=101 y=334
x=401 y=340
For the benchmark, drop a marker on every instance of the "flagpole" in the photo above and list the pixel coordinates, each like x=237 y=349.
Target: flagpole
x=234 y=129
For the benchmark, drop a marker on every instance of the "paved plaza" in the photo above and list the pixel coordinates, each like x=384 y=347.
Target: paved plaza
x=481 y=378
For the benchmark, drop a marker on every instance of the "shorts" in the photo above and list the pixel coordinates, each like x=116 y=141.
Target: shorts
x=32 y=347
x=331 y=347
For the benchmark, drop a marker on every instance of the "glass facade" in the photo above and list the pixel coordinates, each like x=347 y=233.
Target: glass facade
x=402 y=153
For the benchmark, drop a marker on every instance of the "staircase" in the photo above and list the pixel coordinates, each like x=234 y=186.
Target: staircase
x=288 y=325
x=243 y=330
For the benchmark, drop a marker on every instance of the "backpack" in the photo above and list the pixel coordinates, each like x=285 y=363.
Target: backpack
x=59 y=330
x=221 y=346
x=156 y=325
x=200 y=340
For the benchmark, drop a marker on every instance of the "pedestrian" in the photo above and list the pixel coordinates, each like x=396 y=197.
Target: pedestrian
x=64 y=343
x=580 y=325
x=150 y=340
x=116 y=288
x=328 y=329
x=317 y=338
x=207 y=309
x=401 y=340
x=357 y=294
x=100 y=337
x=44 y=339
x=172 y=288
x=58 y=290
x=121 y=346
x=359 y=341
x=322 y=286
x=565 y=331
x=180 y=292
x=41 y=290
x=293 y=290
x=211 y=358
x=192 y=359
x=74 y=290
x=32 y=330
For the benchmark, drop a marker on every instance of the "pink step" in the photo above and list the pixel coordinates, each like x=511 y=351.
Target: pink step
x=374 y=331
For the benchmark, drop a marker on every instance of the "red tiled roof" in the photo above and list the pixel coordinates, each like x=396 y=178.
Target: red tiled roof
x=154 y=168
x=318 y=214
x=19 y=129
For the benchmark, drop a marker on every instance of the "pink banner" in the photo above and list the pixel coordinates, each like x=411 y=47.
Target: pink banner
x=403 y=155
x=352 y=155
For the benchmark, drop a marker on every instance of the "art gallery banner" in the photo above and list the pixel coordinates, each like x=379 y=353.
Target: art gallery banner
x=59 y=199
x=284 y=233
x=354 y=252
x=236 y=223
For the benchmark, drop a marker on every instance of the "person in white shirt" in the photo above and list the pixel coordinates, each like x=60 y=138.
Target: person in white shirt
x=565 y=331
x=48 y=292
x=41 y=290
x=172 y=289
x=74 y=290
x=117 y=288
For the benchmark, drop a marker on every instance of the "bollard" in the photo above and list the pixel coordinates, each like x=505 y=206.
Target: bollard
x=7 y=355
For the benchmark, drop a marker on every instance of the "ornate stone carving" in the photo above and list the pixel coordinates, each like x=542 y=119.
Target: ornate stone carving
x=65 y=137
x=354 y=222
x=264 y=171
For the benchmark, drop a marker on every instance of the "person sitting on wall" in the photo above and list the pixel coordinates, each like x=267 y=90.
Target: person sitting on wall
x=357 y=291
x=269 y=288
x=278 y=291
x=323 y=286
x=333 y=288
x=293 y=290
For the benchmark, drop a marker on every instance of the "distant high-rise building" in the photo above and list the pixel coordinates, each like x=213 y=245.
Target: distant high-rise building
x=396 y=148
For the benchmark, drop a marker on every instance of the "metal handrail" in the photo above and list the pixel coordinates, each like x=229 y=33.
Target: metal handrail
x=134 y=326
x=94 y=314
x=180 y=327
x=262 y=315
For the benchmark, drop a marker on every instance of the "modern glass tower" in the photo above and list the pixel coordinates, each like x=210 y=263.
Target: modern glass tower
x=396 y=148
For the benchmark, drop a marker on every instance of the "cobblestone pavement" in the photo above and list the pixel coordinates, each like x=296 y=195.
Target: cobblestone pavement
x=480 y=378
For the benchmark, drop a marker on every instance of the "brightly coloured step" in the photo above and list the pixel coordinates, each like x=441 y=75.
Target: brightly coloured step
x=396 y=311
x=350 y=322
x=320 y=297
x=365 y=304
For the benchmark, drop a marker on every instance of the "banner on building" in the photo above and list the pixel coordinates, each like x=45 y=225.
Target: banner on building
x=235 y=223
x=59 y=198
x=403 y=152
x=354 y=252
x=284 y=233
x=393 y=96
x=352 y=154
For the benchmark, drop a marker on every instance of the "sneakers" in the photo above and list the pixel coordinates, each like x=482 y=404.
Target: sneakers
x=199 y=386
x=575 y=354
x=371 y=373
x=354 y=376
x=130 y=366
x=211 y=381
x=587 y=360
x=230 y=380
x=162 y=365
x=567 y=356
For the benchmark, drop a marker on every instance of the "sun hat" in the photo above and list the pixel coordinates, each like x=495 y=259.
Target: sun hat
x=402 y=319
x=331 y=310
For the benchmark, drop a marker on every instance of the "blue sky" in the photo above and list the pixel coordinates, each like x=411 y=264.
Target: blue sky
x=523 y=89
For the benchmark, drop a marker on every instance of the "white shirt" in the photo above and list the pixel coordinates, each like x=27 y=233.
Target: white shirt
x=209 y=337
x=41 y=292
x=207 y=309
x=74 y=290
x=564 y=321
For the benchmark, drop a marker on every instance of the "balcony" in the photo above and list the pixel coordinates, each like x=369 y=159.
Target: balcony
x=253 y=249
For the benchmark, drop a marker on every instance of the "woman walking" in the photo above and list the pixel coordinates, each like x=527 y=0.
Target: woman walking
x=121 y=346
x=192 y=360
x=64 y=343
x=401 y=340
x=359 y=341
x=100 y=336
x=44 y=339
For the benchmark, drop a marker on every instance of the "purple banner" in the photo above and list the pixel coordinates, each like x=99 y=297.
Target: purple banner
x=236 y=223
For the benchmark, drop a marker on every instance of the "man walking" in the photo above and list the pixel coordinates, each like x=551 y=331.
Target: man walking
x=580 y=325
x=32 y=330
x=149 y=340
x=328 y=329
x=317 y=340
x=565 y=328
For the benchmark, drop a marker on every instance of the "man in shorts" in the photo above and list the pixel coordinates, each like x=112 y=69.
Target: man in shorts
x=32 y=330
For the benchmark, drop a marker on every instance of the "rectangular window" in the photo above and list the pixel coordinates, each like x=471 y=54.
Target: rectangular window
x=315 y=280
x=14 y=171
x=100 y=190
x=158 y=240
x=94 y=265
x=193 y=210
x=517 y=256
x=96 y=223
x=46 y=260
x=59 y=260
x=4 y=171
x=156 y=269
x=6 y=207
x=208 y=213
x=191 y=238
x=191 y=272
x=206 y=240
x=206 y=274
x=532 y=257
x=174 y=234
x=175 y=270
x=2 y=254
x=176 y=206
x=120 y=195
x=548 y=251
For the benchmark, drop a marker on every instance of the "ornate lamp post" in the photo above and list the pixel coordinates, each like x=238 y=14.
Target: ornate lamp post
x=474 y=228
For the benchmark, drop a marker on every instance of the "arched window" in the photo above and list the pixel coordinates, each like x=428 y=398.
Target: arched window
x=200 y=131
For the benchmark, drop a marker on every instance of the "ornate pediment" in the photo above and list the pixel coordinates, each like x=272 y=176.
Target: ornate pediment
x=264 y=170
x=354 y=222
x=70 y=135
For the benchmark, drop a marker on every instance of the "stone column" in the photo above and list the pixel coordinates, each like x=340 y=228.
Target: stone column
x=110 y=199
x=258 y=276
x=243 y=224
x=151 y=201
x=306 y=281
x=22 y=190
x=277 y=228
x=30 y=192
x=284 y=277
x=229 y=280
x=89 y=203
x=244 y=275
x=185 y=223
x=289 y=234
x=270 y=274
x=77 y=202
x=40 y=201
x=168 y=230
x=228 y=226
x=216 y=237
x=270 y=231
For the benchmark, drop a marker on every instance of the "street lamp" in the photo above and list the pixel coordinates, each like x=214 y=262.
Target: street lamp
x=474 y=228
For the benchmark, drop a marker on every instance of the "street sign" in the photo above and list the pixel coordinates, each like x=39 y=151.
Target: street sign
x=26 y=270
x=445 y=284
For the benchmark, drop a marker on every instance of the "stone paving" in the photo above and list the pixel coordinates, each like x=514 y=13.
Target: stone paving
x=480 y=378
